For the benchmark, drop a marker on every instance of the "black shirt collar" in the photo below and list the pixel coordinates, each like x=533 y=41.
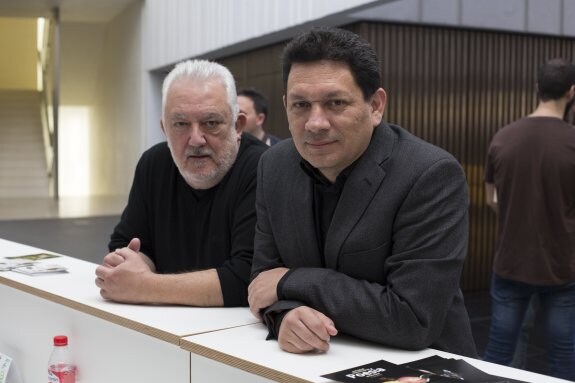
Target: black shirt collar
x=320 y=179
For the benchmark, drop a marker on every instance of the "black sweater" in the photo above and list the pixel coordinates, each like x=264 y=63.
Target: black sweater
x=182 y=229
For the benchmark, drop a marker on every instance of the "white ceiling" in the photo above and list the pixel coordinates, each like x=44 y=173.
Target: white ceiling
x=70 y=10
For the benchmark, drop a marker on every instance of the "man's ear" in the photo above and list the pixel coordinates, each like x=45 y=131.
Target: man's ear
x=162 y=125
x=284 y=101
x=240 y=123
x=260 y=119
x=377 y=103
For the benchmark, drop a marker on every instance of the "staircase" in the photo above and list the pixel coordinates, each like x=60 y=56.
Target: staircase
x=23 y=171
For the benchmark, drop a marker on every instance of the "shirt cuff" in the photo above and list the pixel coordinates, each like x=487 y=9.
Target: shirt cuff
x=273 y=321
x=273 y=316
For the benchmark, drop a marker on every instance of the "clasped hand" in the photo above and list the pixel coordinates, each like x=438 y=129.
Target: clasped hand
x=304 y=329
x=122 y=274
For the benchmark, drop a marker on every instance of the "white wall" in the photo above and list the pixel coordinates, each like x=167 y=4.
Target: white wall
x=120 y=98
x=81 y=53
x=101 y=129
x=179 y=29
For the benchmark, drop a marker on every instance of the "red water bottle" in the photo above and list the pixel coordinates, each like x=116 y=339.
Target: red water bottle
x=61 y=368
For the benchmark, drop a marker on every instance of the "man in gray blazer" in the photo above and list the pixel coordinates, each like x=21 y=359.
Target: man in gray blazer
x=361 y=227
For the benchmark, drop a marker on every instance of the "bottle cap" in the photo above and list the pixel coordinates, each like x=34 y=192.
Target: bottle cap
x=60 y=340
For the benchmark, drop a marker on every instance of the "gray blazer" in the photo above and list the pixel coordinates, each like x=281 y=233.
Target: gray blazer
x=394 y=250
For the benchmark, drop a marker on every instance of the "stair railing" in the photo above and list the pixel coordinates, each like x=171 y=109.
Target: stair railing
x=48 y=64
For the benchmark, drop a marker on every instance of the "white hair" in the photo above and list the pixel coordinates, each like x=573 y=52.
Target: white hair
x=203 y=70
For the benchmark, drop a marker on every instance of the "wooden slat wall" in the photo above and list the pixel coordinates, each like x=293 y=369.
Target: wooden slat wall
x=451 y=87
x=455 y=88
x=261 y=69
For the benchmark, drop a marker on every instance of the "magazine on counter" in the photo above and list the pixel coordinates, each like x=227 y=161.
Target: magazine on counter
x=384 y=371
x=9 y=264
x=29 y=264
x=36 y=269
x=434 y=369
x=32 y=257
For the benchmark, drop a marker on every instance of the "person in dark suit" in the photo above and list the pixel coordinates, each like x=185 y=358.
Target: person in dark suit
x=361 y=226
x=254 y=106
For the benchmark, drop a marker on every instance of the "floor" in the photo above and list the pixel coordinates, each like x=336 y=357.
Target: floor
x=65 y=207
x=75 y=226
x=81 y=227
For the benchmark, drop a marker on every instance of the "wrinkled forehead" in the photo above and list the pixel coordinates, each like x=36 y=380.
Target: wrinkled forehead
x=324 y=78
x=211 y=86
x=197 y=94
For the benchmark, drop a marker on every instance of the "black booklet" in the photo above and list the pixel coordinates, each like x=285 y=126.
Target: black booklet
x=434 y=369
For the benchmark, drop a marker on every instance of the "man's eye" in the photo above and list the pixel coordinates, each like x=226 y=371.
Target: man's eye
x=299 y=105
x=211 y=124
x=336 y=103
x=180 y=124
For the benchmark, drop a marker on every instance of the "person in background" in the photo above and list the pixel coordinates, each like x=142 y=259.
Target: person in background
x=362 y=227
x=186 y=234
x=530 y=167
x=254 y=106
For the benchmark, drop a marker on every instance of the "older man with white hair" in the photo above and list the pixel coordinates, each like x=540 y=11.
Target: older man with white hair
x=186 y=234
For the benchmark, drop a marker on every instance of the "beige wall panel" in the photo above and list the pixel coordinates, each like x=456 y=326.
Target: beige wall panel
x=119 y=131
x=101 y=105
x=18 y=52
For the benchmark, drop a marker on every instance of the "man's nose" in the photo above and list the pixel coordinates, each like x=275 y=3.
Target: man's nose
x=317 y=119
x=196 y=136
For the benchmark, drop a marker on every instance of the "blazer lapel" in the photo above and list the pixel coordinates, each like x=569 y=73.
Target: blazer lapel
x=358 y=192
